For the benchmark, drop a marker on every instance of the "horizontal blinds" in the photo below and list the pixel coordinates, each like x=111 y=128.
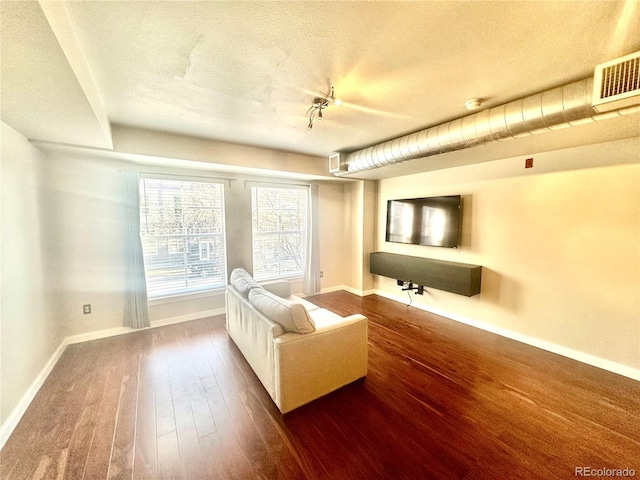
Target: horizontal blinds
x=279 y=232
x=182 y=228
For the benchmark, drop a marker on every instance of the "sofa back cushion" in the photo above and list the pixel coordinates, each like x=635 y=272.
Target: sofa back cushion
x=291 y=315
x=243 y=282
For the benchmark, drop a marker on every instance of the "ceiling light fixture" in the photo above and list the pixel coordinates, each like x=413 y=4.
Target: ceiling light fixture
x=319 y=104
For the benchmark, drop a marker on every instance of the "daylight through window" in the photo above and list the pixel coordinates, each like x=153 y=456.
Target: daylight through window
x=183 y=235
x=279 y=233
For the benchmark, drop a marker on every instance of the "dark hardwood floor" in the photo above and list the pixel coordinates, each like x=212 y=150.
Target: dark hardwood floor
x=441 y=400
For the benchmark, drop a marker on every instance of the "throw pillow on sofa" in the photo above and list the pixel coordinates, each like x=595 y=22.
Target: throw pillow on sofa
x=292 y=316
x=243 y=281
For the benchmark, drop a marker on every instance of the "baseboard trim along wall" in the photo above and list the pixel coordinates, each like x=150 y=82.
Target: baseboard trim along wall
x=355 y=291
x=187 y=318
x=14 y=417
x=592 y=360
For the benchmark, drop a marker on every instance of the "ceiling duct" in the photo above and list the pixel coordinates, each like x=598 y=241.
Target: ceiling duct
x=553 y=109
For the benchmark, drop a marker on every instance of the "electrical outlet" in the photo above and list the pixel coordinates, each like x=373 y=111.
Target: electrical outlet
x=86 y=308
x=321 y=274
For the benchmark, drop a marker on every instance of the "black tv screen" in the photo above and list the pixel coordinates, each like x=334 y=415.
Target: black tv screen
x=431 y=221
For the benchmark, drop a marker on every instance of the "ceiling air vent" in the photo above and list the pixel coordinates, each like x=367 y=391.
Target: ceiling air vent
x=616 y=84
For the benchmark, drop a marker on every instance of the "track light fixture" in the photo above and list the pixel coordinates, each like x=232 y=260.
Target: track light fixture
x=318 y=105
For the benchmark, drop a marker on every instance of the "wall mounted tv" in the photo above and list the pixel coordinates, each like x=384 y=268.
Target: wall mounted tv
x=430 y=221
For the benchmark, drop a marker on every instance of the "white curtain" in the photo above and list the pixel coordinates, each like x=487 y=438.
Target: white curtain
x=312 y=272
x=136 y=310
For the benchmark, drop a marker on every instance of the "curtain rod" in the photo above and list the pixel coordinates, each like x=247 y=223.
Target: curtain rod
x=179 y=176
x=276 y=184
x=224 y=179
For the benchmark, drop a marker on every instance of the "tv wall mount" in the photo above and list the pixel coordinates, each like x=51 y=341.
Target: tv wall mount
x=409 y=286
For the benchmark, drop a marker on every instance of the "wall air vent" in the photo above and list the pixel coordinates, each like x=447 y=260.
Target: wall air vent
x=616 y=84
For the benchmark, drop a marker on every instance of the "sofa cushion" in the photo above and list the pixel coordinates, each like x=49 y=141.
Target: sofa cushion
x=281 y=288
x=291 y=315
x=305 y=303
x=243 y=281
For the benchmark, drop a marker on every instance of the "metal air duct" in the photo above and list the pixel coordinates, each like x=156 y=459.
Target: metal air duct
x=553 y=109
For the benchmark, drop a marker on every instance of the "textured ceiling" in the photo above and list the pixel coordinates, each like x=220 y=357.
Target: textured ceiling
x=246 y=72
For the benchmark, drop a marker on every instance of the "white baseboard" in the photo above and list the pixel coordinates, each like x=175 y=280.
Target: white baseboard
x=335 y=288
x=360 y=293
x=352 y=290
x=111 y=332
x=187 y=318
x=87 y=337
x=592 y=360
x=14 y=417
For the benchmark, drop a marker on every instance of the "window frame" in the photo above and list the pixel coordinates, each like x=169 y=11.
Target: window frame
x=305 y=231
x=184 y=238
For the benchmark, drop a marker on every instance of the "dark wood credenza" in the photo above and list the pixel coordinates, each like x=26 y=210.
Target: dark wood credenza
x=461 y=278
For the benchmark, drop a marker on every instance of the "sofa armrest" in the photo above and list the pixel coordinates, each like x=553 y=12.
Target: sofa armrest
x=253 y=334
x=281 y=288
x=311 y=365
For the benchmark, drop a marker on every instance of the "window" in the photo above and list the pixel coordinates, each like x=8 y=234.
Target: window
x=183 y=235
x=176 y=246
x=279 y=217
x=204 y=250
x=149 y=247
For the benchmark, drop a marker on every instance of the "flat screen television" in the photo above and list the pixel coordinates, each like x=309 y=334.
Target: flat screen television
x=430 y=221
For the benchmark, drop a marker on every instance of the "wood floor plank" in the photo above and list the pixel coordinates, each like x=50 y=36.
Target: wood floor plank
x=188 y=444
x=62 y=424
x=236 y=464
x=441 y=400
x=169 y=465
x=232 y=389
x=99 y=456
x=145 y=456
x=264 y=415
x=165 y=415
x=122 y=451
x=194 y=365
x=85 y=427
x=268 y=421
x=214 y=462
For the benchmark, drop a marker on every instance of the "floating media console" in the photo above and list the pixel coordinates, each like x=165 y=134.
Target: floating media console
x=460 y=278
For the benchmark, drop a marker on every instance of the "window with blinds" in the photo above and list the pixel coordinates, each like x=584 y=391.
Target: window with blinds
x=279 y=233
x=182 y=229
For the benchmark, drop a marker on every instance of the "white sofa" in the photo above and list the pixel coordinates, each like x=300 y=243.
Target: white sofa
x=267 y=323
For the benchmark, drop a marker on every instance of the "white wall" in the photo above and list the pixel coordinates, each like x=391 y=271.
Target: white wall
x=86 y=223
x=359 y=225
x=559 y=245
x=28 y=331
x=331 y=208
x=352 y=258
